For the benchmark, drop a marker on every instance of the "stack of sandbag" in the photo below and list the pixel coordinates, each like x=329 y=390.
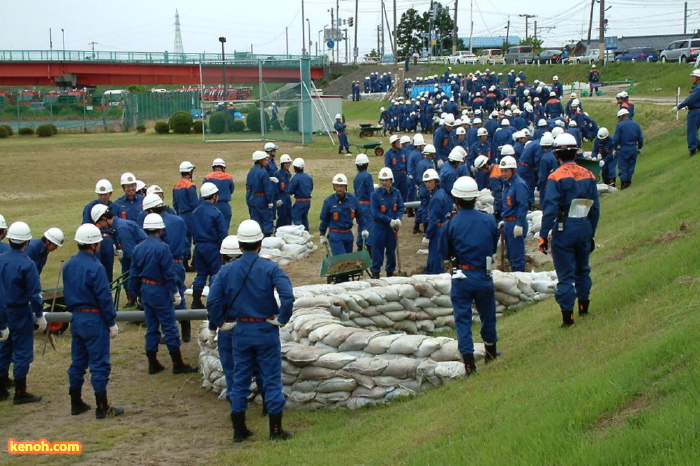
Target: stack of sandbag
x=290 y=243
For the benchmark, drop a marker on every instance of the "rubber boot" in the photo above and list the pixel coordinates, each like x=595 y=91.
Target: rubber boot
x=4 y=394
x=197 y=300
x=179 y=366
x=583 y=307
x=410 y=212
x=469 y=364
x=154 y=366
x=240 y=430
x=22 y=396
x=491 y=353
x=276 y=431
x=130 y=300
x=103 y=409
x=77 y=405
x=186 y=330
x=10 y=383
x=188 y=267
x=416 y=228
x=567 y=318
x=389 y=274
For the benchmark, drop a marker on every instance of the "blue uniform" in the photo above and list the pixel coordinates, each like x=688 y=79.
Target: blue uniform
x=547 y=165
x=185 y=200
x=4 y=247
x=423 y=195
x=176 y=240
x=38 y=253
x=3 y=308
x=396 y=160
x=501 y=137
x=337 y=215
x=363 y=186
x=284 y=212
x=223 y=181
x=209 y=231
x=553 y=108
x=414 y=158
x=528 y=168
x=496 y=187
x=386 y=206
x=627 y=140
x=603 y=148
x=244 y=292
x=20 y=280
x=448 y=176
x=301 y=187
x=343 y=143
x=128 y=209
x=571 y=237
x=692 y=103
x=87 y=218
x=88 y=296
x=260 y=196
x=442 y=140
x=515 y=208
x=127 y=234
x=469 y=238
x=439 y=206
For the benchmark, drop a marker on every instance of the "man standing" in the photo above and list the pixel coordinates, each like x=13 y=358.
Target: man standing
x=337 y=215
x=570 y=212
x=284 y=200
x=515 y=208
x=185 y=200
x=259 y=192
x=223 y=181
x=484 y=165
x=627 y=141
x=692 y=103
x=439 y=205
x=89 y=299
x=40 y=248
x=103 y=189
x=128 y=206
x=339 y=127
x=301 y=187
x=363 y=185
x=395 y=159
x=387 y=211
x=603 y=150
x=245 y=289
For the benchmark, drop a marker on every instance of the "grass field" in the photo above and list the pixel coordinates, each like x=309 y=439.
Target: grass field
x=621 y=388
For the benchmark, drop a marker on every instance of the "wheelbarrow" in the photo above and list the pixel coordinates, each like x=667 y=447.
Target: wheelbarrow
x=345 y=267
x=368 y=147
x=367 y=130
x=592 y=165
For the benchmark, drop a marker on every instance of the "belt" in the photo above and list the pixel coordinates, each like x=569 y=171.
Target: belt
x=364 y=202
x=87 y=309
x=340 y=231
x=17 y=306
x=178 y=261
x=253 y=319
x=399 y=171
x=439 y=224
x=510 y=218
x=151 y=282
x=302 y=198
x=693 y=108
x=259 y=194
x=468 y=267
x=526 y=164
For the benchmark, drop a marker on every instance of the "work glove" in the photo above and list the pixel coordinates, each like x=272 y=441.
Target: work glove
x=544 y=245
x=279 y=203
x=4 y=334
x=601 y=163
x=41 y=323
x=439 y=163
x=324 y=240
x=139 y=302
x=458 y=275
x=674 y=109
x=474 y=170
x=395 y=224
x=274 y=179
x=113 y=331
x=227 y=326
x=118 y=253
x=425 y=241
x=501 y=224
x=269 y=206
x=176 y=299
x=365 y=234
x=410 y=177
x=517 y=231
x=211 y=338
x=273 y=320
x=592 y=244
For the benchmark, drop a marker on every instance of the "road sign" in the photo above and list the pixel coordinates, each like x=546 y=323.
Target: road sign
x=330 y=44
x=611 y=43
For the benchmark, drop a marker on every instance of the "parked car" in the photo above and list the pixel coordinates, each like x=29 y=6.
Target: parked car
x=684 y=50
x=491 y=57
x=519 y=54
x=591 y=56
x=548 y=56
x=638 y=54
x=463 y=56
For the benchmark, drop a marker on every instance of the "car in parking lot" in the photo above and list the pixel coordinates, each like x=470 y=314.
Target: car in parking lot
x=591 y=56
x=548 y=56
x=685 y=50
x=491 y=57
x=463 y=56
x=638 y=54
x=519 y=54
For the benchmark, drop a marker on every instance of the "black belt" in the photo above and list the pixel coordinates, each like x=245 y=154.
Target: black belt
x=693 y=108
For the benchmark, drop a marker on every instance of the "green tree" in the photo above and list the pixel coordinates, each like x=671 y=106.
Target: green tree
x=536 y=44
x=372 y=54
x=410 y=33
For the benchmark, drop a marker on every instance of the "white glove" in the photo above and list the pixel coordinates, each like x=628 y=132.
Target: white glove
x=274 y=321
x=474 y=170
x=118 y=252
x=227 y=326
x=324 y=240
x=439 y=163
x=41 y=322
x=113 y=331
x=410 y=177
x=274 y=179
x=425 y=241
x=601 y=163
x=176 y=299
x=211 y=339
x=459 y=275
x=517 y=231
x=395 y=224
x=674 y=109
x=269 y=206
x=4 y=334
x=501 y=224
x=139 y=302
x=365 y=234
x=279 y=203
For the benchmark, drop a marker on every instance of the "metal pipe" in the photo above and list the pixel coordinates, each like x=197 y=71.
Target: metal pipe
x=132 y=316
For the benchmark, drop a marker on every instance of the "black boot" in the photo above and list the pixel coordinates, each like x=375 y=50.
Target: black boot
x=188 y=267
x=197 y=300
x=103 y=409
x=390 y=274
x=186 y=330
x=567 y=318
x=154 y=366
x=416 y=228
x=276 y=431
x=179 y=366
x=77 y=405
x=22 y=396
x=410 y=212
x=491 y=353
x=240 y=430
x=10 y=383
x=469 y=364
x=4 y=394
x=583 y=307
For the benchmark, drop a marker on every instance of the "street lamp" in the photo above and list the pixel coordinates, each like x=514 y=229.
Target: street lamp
x=308 y=23
x=223 y=72
x=63 y=38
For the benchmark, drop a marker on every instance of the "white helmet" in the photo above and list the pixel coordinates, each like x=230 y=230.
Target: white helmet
x=151 y=201
x=458 y=122
x=573 y=124
x=338 y=116
x=526 y=132
x=87 y=233
x=229 y=246
x=3 y=223
x=508 y=162
x=140 y=185
x=507 y=149
x=602 y=134
x=560 y=123
x=97 y=211
x=622 y=112
x=405 y=139
x=466 y=120
x=476 y=121
x=218 y=162
x=481 y=162
x=528 y=107
x=386 y=174
x=208 y=189
x=154 y=189
x=270 y=146
x=285 y=159
x=249 y=232
x=340 y=179
x=461 y=130
x=465 y=188
x=557 y=131
x=573 y=95
x=153 y=222
x=394 y=138
x=482 y=132
x=103 y=187
x=55 y=235
x=457 y=154
x=565 y=141
x=575 y=102
x=429 y=149
x=547 y=140
x=128 y=178
x=19 y=232
x=624 y=94
x=542 y=122
x=696 y=73
x=361 y=159
x=450 y=119
x=508 y=113
x=518 y=135
x=186 y=167
x=299 y=163
x=430 y=174
x=505 y=122
x=418 y=140
x=259 y=155
x=555 y=78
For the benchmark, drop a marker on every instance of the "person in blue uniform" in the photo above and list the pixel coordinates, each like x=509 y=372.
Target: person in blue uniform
x=24 y=303
x=301 y=187
x=103 y=189
x=185 y=200
x=155 y=283
x=244 y=292
x=692 y=103
x=548 y=163
x=284 y=200
x=88 y=297
x=553 y=108
x=439 y=206
x=627 y=141
x=260 y=192
x=363 y=186
x=339 y=211
x=209 y=230
x=105 y=255
x=603 y=150
x=484 y=165
x=340 y=129
x=395 y=159
x=453 y=169
x=223 y=181
x=40 y=248
x=4 y=247
x=443 y=139
x=387 y=209
x=128 y=206
x=570 y=211
x=469 y=241
x=515 y=208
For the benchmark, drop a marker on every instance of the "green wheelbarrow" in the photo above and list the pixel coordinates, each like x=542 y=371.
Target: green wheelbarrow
x=370 y=147
x=592 y=165
x=345 y=267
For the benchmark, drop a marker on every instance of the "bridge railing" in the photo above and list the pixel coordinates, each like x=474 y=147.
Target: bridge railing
x=242 y=58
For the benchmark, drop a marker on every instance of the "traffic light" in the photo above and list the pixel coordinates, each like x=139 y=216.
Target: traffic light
x=351 y=21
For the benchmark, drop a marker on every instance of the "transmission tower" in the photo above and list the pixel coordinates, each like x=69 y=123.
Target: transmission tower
x=179 y=49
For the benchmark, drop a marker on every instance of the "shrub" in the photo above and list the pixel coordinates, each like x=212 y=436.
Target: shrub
x=291 y=118
x=3 y=132
x=217 y=122
x=238 y=126
x=162 y=127
x=181 y=122
x=9 y=130
x=197 y=126
x=44 y=131
x=26 y=131
x=141 y=128
x=253 y=121
x=54 y=128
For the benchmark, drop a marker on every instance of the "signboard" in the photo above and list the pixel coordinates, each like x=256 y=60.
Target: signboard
x=330 y=44
x=611 y=43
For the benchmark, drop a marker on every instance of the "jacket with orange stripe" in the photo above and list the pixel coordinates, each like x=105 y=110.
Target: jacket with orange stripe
x=223 y=181
x=185 y=198
x=496 y=187
x=128 y=209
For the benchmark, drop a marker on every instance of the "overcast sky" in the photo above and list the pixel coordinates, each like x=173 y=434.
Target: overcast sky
x=149 y=25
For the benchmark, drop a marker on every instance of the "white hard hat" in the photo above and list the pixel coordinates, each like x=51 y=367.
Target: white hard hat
x=565 y=141
x=87 y=233
x=482 y=132
x=548 y=140
x=259 y=155
x=418 y=140
x=299 y=163
x=153 y=189
x=573 y=95
x=560 y=123
x=476 y=121
x=575 y=102
x=552 y=94
x=450 y=119
x=541 y=122
x=55 y=235
x=153 y=222
x=603 y=133
x=624 y=94
x=517 y=111
x=103 y=187
x=405 y=139
x=622 y=112
x=430 y=174
x=505 y=122
x=151 y=201
x=127 y=178
x=229 y=246
x=19 y=232
x=696 y=73
x=508 y=113
x=208 y=189
x=249 y=232
x=386 y=174
x=481 y=162
x=555 y=78
x=528 y=107
x=517 y=135
x=186 y=167
x=557 y=131
x=97 y=211
x=3 y=223
x=618 y=95
x=508 y=162
x=285 y=158
x=340 y=179
x=218 y=162
x=526 y=132
x=465 y=188
x=140 y=185
x=461 y=130
x=573 y=124
x=429 y=149
x=338 y=116
x=507 y=149
x=458 y=122
x=270 y=146
x=381 y=109
x=457 y=154
x=361 y=159
x=394 y=138
x=466 y=120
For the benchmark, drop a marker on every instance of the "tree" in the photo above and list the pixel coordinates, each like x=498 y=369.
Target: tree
x=372 y=54
x=413 y=32
x=536 y=44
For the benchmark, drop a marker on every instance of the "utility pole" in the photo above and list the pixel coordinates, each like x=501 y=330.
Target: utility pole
x=381 y=20
x=286 y=39
x=392 y=42
x=508 y=32
x=303 y=30
x=527 y=17
x=93 y=49
x=379 y=50
x=333 y=34
x=535 y=30
x=355 y=51
x=601 y=33
x=685 y=17
x=454 y=31
x=337 y=21
x=590 y=24
x=396 y=59
x=471 y=24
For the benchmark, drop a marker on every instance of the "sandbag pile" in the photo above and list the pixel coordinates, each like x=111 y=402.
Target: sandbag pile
x=290 y=243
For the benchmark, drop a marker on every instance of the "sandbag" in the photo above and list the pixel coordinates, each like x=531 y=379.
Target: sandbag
x=334 y=360
x=337 y=384
x=406 y=344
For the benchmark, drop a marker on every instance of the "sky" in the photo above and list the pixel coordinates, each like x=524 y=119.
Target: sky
x=149 y=25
